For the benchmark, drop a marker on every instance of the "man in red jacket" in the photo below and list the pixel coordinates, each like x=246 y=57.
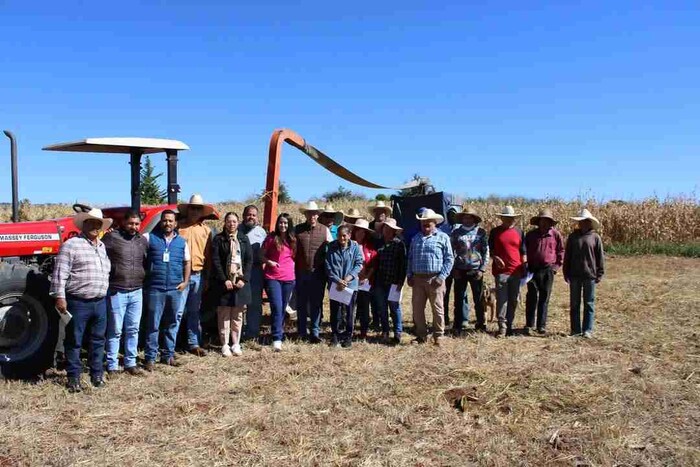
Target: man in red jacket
x=507 y=247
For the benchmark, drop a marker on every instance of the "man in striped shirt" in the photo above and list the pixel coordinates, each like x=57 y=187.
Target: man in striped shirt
x=430 y=261
x=79 y=286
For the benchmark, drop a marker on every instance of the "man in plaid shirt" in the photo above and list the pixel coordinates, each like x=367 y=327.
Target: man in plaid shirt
x=430 y=261
x=79 y=286
x=391 y=270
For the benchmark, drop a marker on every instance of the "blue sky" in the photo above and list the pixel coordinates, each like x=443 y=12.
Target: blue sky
x=524 y=98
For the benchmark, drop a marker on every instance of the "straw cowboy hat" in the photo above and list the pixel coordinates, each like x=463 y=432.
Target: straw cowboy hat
x=330 y=210
x=429 y=215
x=94 y=213
x=543 y=214
x=391 y=223
x=311 y=206
x=196 y=200
x=468 y=211
x=337 y=214
x=586 y=214
x=508 y=211
x=352 y=215
x=381 y=206
x=362 y=224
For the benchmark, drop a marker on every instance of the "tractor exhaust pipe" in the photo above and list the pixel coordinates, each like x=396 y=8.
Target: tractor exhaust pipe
x=13 y=168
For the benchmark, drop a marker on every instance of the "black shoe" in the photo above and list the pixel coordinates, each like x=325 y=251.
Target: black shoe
x=396 y=340
x=98 y=382
x=347 y=343
x=527 y=331
x=315 y=340
x=74 y=386
x=334 y=342
x=541 y=331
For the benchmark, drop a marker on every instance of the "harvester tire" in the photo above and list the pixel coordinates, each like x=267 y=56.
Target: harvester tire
x=28 y=322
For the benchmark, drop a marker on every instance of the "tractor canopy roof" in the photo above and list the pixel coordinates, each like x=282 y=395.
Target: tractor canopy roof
x=120 y=145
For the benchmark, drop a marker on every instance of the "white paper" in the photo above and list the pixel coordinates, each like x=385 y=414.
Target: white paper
x=526 y=279
x=342 y=296
x=364 y=286
x=65 y=317
x=395 y=293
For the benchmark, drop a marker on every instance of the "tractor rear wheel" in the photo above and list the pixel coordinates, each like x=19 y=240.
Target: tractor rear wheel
x=28 y=323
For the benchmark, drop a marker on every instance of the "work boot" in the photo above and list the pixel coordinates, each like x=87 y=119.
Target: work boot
x=315 y=340
x=347 y=343
x=501 y=333
x=133 y=371
x=149 y=366
x=527 y=331
x=335 y=342
x=170 y=362
x=198 y=351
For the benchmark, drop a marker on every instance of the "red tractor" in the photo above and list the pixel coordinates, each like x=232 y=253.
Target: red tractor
x=28 y=321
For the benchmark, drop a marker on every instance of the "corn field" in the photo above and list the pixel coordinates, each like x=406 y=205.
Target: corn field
x=674 y=221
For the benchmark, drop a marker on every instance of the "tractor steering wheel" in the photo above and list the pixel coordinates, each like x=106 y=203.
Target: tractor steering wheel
x=77 y=207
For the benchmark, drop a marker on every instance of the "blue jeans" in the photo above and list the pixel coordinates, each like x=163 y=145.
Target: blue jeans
x=463 y=279
x=253 y=315
x=310 y=287
x=85 y=312
x=162 y=315
x=342 y=313
x=124 y=313
x=190 y=304
x=384 y=306
x=278 y=292
x=577 y=287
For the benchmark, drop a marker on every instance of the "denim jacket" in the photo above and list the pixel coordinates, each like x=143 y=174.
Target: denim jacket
x=343 y=262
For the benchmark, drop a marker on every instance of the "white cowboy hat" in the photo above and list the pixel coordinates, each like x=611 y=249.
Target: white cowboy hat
x=362 y=224
x=196 y=200
x=391 y=223
x=543 y=214
x=429 y=215
x=586 y=214
x=94 y=213
x=469 y=211
x=311 y=206
x=352 y=215
x=508 y=211
x=380 y=206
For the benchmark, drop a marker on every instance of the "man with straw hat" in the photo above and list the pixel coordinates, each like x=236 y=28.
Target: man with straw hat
x=471 y=250
x=198 y=237
x=331 y=218
x=79 y=285
x=507 y=247
x=391 y=271
x=584 y=266
x=352 y=215
x=381 y=211
x=309 y=264
x=430 y=261
x=545 y=254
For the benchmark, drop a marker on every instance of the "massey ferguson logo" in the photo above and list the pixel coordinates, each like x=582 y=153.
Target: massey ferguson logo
x=29 y=237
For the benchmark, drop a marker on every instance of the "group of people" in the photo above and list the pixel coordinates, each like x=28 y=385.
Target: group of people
x=101 y=279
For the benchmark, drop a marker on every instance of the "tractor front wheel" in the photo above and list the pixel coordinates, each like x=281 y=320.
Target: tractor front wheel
x=28 y=323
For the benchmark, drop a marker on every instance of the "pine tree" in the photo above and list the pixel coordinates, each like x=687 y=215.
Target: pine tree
x=150 y=189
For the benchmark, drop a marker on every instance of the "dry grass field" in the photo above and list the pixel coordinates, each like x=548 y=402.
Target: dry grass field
x=630 y=396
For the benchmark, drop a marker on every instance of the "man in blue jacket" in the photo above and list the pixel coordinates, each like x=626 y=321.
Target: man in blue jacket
x=343 y=265
x=168 y=264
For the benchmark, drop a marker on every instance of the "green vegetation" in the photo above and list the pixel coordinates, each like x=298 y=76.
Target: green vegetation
x=687 y=250
x=151 y=193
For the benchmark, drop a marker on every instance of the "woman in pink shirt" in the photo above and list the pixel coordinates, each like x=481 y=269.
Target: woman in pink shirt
x=363 y=235
x=278 y=252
